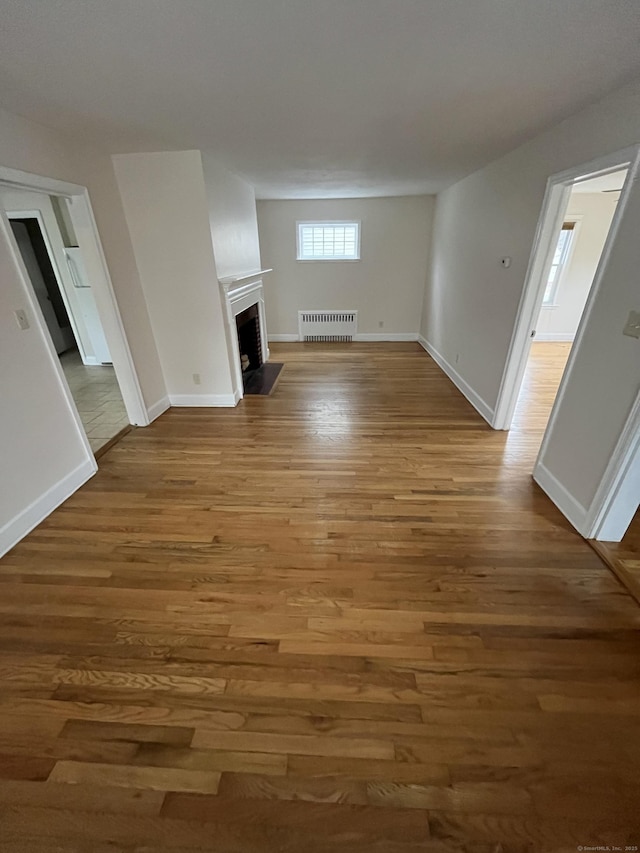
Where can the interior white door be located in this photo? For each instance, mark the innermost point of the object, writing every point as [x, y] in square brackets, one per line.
[88, 307]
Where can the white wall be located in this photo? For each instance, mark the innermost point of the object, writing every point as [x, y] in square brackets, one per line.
[44, 456]
[559, 322]
[386, 286]
[232, 218]
[471, 301]
[167, 213]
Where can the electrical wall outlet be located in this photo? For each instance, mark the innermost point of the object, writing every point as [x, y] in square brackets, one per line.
[196, 378]
[632, 326]
[380, 323]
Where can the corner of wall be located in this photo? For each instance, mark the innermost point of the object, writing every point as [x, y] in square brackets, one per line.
[575, 513]
[31, 516]
[480, 405]
[158, 408]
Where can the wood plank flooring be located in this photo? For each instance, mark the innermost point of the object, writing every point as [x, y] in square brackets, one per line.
[340, 618]
[624, 557]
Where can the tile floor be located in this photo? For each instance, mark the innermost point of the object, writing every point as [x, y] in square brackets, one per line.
[97, 396]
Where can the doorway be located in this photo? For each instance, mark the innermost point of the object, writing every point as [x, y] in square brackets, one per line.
[577, 245]
[80, 215]
[609, 511]
[55, 237]
[53, 260]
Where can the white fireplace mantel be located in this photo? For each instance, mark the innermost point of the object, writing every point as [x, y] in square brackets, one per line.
[240, 292]
[232, 280]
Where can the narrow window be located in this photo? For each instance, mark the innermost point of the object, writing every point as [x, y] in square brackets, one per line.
[560, 258]
[328, 241]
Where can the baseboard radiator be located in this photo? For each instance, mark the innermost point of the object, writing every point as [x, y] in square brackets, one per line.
[327, 325]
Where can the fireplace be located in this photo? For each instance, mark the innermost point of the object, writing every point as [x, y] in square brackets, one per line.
[243, 301]
[249, 341]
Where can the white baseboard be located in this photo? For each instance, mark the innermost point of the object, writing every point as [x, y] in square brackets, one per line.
[31, 516]
[283, 339]
[572, 510]
[204, 400]
[91, 360]
[553, 336]
[156, 409]
[386, 336]
[476, 400]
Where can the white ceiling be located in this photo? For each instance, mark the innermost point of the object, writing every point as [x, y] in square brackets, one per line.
[602, 184]
[313, 98]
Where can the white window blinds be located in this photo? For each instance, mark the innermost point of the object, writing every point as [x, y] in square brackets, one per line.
[328, 241]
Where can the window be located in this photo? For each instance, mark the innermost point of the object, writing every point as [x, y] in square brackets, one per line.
[328, 241]
[560, 257]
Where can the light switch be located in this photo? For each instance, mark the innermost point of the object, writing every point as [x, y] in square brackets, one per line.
[632, 326]
[21, 319]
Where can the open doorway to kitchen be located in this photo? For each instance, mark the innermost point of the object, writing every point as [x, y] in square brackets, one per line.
[46, 240]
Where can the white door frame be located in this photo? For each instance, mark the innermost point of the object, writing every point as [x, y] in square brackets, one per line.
[86, 230]
[554, 206]
[609, 508]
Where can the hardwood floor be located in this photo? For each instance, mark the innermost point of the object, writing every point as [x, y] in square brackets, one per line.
[624, 557]
[545, 367]
[339, 618]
